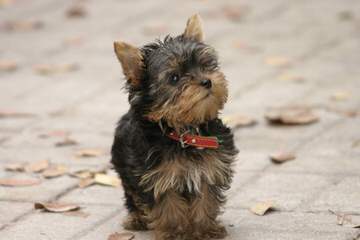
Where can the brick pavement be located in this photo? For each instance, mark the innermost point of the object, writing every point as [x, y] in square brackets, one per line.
[319, 37]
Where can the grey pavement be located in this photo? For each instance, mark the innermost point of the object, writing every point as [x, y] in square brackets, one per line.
[318, 39]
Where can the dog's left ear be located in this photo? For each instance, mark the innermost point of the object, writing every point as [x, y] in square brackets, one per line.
[131, 61]
[194, 29]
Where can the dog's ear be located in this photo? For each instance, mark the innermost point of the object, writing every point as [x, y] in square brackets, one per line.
[131, 61]
[194, 29]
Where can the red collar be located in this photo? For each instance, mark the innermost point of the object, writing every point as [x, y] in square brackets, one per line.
[198, 141]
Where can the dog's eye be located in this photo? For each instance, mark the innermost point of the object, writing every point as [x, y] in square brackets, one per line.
[174, 78]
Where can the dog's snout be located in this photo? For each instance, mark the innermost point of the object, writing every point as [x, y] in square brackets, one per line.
[206, 83]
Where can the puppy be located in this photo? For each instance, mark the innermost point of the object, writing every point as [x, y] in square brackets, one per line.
[172, 152]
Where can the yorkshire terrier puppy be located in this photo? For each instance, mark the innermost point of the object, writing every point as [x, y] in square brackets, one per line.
[172, 152]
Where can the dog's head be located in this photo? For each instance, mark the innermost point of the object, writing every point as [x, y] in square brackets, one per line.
[177, 80]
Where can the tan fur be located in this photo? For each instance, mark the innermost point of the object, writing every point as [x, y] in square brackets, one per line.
[194, 28]
[131, 61]
[195, 105]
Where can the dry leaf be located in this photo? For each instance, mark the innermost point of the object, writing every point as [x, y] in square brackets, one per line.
[8, 65]
[66, 142]
[55, 133]
[15, 167]
[18, 182]
[91, 152]
[281, 157]
[48, 69]
[237, 121]
[290, 77]
[37, 166]
[76, 11]
[86, 182]
[261, 208]
[341, 218]
[278, 61]
[291, 116]
[22, 25]
[55, 171]
[13, 114]
[107, 180]
[340, 96]
[83, 174]
[56, 207]
[121, 236]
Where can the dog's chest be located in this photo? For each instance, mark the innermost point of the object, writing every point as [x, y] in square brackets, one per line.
[187, 172]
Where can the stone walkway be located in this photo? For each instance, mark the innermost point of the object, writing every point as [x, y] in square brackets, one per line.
[274, 53]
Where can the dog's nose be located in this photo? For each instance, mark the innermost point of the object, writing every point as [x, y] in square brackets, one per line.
[206, 83]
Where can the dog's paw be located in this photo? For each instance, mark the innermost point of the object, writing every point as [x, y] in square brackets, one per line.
[135, 222]
[217, 232]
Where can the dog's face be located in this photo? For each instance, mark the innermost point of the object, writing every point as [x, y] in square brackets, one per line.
[179, 77]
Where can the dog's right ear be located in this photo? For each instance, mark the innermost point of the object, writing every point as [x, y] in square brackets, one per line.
[131, 61]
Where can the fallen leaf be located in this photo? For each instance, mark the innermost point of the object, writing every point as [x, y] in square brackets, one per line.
[278, 61]
[290, 77]
[83, 174]
[55, 171]
[76, 11]
[48, 69]
[107, 180]
[25, 25]
[341, 218]
[77, 214]
[66, 142]
[281, 157]
[13, 114]
[340, 96]
[8, 65]
[86, 182]
[291, 116]
[121, 236]
[55, 133]
[37, 166]
[15, 167]
[18, 182]
[237, 121]
[91, 152]
[261, 208]
[56, 207]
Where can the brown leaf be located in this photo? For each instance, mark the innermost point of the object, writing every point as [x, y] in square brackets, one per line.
[280, 157]
[55, 133]
[86, 182]
[8, 65]
[278, 61]
[90, 152]
[15, 167]
[66, 142]
[107, 180]
[37, 166]
[237, 121]
[55, 171]
[56, 207]
[25, 25]
[17, 182]
[121, 236]
[291, 116]
[261, 208]
[13, 114]
[48, 69]
[76, 11]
